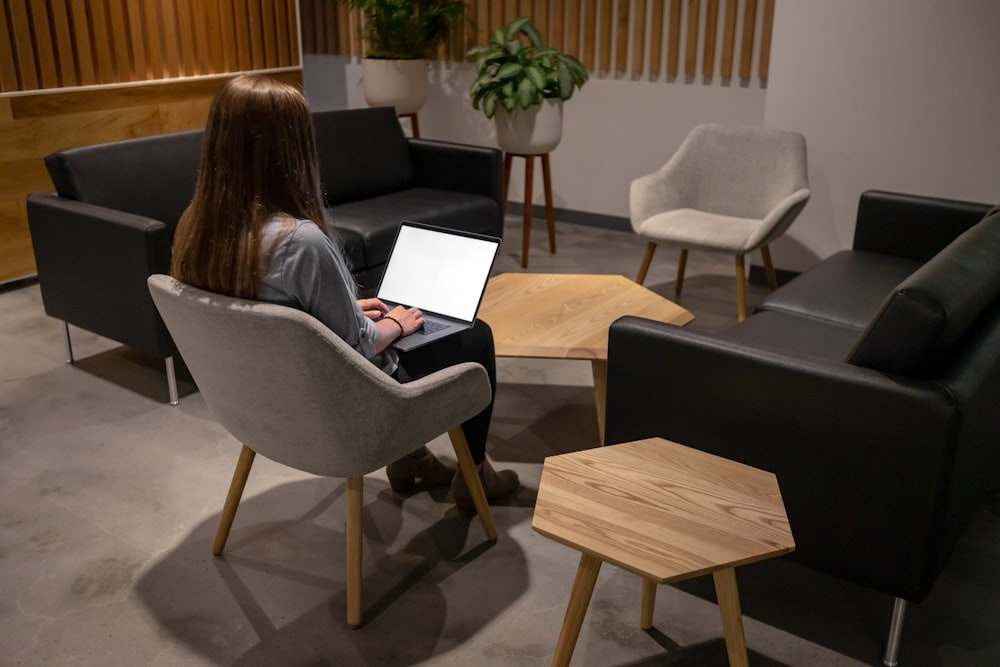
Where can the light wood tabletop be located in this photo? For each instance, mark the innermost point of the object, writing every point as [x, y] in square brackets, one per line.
[665, 512]
[567, 316]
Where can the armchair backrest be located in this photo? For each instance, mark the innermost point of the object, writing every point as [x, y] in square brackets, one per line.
[150, 176]
[289, 388]
[739, 170]
[362, 153]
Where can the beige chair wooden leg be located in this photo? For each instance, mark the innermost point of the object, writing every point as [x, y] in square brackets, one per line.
[355, 499]
[236, 487]
[468, 470]
[579, 600]
[599, 369]
[772, 278]
[646, 259]
[648, 603]
[732, 619]
[681, 266]
[741, 289]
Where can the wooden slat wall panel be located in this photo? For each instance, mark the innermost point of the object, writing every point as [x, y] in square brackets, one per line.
[606, 35]
[33, 125]
[48, 44]
[674, 38]
[656, 39]
[746, 47]
[691, 41]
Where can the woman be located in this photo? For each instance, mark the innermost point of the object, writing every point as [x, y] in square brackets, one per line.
[256, 229]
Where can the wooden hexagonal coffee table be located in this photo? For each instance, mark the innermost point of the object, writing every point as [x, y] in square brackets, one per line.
[665, 512]
[566, 316]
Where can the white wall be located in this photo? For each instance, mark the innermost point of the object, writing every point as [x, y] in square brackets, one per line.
[896, 95]
[890, 94]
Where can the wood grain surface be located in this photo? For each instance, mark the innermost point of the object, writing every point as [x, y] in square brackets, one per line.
[661, 510]
[566, 316]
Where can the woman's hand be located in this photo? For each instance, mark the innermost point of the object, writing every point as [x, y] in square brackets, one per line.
[373, 309]
[410, 319]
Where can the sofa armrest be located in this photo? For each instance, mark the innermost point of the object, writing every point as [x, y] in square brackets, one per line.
[92, 268]
[862, 458]
[911, 226]
[459, 167]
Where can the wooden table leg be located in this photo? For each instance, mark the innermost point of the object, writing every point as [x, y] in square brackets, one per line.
[732, 618]
[579, 600]
[599, 367]
[550, 214]
[529, 177]
[648, 603]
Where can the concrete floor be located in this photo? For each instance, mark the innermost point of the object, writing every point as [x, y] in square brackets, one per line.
[109, 498]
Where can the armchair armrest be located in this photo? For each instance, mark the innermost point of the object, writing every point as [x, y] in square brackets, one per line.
[92, 268]
[911, 226]
[459, 167]
[862, 458]
[449, 396]
[655, 193]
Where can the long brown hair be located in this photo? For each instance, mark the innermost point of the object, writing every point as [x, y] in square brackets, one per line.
[258, 159]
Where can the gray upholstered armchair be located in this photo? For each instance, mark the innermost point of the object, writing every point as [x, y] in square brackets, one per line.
[726, 189]
[286, 386]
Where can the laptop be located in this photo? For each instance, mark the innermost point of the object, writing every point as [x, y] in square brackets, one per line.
[443, 272]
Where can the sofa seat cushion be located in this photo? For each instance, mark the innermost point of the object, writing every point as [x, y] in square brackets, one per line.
[926, 316]
[847, 288]
[793, 335]
[369, 226]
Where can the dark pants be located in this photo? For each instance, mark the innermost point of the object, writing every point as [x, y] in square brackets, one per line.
[475, 344]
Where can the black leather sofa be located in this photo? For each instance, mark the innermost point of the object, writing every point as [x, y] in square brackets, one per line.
[109, 224]
[869, 385]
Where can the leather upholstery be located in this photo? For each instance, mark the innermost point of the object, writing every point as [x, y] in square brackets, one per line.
[110, 223]
[924, 319]
[879, 471]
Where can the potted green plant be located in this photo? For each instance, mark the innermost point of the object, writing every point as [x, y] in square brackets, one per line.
[521, 84]
[400, 34]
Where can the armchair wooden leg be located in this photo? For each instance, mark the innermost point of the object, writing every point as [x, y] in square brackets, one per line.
[355, 497]
[681, 266]
[741, 289]
[236, 487]
[646, 259]
[468, 470]
[648, 603]
[772, 278]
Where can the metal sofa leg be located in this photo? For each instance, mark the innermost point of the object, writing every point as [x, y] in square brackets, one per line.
[69, 345]
[895, 633]
[171, 381]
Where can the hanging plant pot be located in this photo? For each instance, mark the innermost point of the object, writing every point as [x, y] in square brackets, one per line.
[531, 131]
[395, 83]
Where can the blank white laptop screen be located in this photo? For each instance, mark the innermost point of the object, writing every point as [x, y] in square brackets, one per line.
[437, 271]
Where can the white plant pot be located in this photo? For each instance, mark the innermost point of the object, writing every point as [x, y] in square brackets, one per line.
[395, 83]
[530, 131]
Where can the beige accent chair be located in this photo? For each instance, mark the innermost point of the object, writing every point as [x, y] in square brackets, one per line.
[289, 388]
[726, 189]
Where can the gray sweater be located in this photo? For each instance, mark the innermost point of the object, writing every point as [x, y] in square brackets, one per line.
[307, 271]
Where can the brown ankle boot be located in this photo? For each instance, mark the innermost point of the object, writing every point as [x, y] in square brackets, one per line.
[496, 485]
[421, 464]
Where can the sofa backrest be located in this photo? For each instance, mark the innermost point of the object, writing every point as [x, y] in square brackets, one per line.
[362, 153]
[150, 176]
[925, 318]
